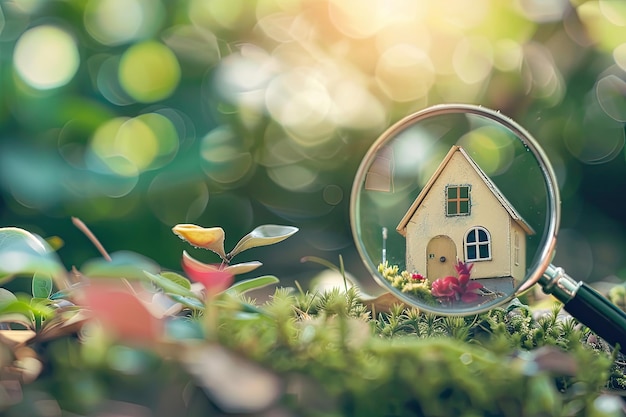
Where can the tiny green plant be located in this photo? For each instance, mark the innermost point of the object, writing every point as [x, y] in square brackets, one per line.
[116, 279]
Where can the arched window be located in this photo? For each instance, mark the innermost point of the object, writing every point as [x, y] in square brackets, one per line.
[477, 244]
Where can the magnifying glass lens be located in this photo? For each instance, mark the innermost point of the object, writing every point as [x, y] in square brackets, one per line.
[454, 209]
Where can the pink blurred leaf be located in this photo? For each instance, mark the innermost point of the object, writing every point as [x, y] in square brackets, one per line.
[121, 312]
[214, 279]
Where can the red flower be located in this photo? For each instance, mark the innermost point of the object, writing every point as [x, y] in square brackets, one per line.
[463, 271]
[214, 279]
[445, 288]
[417, 277]
[454, 289]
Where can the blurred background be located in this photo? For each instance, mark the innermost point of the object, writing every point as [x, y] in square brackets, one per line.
[136, 115]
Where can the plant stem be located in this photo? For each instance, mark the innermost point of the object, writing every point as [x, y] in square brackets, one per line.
[94, 240]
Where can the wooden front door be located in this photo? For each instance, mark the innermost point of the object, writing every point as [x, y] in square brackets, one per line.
[440, 257]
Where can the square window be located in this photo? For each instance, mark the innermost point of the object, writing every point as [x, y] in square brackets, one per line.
[457, 200]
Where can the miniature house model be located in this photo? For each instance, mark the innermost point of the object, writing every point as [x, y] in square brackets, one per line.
[461, 214]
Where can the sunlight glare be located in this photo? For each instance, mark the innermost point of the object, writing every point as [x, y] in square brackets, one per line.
[405, 73]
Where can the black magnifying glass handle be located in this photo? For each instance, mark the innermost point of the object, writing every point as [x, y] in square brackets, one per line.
[587, 306]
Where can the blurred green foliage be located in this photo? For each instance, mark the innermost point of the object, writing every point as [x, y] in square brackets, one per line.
[135, 115]
[322, 354]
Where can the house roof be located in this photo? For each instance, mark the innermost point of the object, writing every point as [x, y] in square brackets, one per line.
[481, 174]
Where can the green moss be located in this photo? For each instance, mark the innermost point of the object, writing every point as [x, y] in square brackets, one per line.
[332, 358]
[502, 363]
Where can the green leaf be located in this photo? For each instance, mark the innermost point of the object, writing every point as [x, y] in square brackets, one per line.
[16, 307]
[41, 285]
[264, 235]
[41, 310]
[123, 264]
[242, 268]
[6, 297]
[253, 284]
[190, 302]
[321, 261]
[21, 252]
[177, 278]
[169, 286]
[37, 302]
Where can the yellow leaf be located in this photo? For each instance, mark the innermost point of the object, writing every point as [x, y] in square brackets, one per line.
[211, 238]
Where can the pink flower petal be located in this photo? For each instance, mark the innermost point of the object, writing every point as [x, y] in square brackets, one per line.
[469, 297]
[473, 285]
[464, 278]
[442, 287]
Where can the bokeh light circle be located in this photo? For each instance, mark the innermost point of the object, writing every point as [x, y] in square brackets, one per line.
[610, 92]
[224, 160]
[149, 72]
[293, 177]
[46, 57]
[595, 138]
[300, 102]
[332, 194]
[114, 22]
[619, 55]
[405, 73]
[129, 146]
[173, 198]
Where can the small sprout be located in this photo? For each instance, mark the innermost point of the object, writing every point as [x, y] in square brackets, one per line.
[217, 278]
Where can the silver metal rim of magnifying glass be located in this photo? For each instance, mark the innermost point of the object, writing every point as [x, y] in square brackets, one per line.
[554, 210]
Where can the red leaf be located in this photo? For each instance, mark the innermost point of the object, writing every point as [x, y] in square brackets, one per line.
[121, 312]
[473, 286]
[469, 297]
[214, 279]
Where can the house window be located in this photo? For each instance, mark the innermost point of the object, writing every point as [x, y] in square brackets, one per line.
[516, 248]
[477, 244]
[457, 200]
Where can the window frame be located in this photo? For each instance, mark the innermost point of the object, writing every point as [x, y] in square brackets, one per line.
[458, 199]
[516, 247]
[477, 244]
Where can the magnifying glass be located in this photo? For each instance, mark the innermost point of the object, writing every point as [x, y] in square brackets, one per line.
[455, 210]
